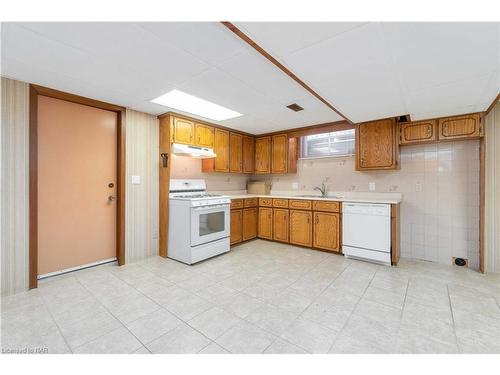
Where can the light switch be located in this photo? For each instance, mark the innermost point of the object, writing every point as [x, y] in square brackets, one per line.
[136, 180]
[371, 186]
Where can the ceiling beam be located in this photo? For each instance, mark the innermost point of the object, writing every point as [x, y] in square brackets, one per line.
[280, 66]
[327, 127]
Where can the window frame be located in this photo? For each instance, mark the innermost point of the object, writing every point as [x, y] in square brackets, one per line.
[302, 148]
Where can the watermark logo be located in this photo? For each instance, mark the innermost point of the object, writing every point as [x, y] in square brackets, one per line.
[26, 350]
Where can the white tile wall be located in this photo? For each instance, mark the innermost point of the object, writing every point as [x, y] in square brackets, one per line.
[440, 186]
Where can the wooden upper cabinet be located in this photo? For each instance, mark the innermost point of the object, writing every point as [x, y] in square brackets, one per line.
[301, 228]
[377, 145]
[236, 226]
[457, 127]
[280, 224]
[265, 223]
[221, 148]
[418, 132]
[235, 153]
[248, 154]
[204, 135]
[279, 153]
[182, 131]
[249, 223]
[326, 231]
[263, 155]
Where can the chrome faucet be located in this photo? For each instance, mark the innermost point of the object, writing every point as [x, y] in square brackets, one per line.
[322, 189]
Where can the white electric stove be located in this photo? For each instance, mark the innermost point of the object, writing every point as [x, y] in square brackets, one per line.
[198, 222]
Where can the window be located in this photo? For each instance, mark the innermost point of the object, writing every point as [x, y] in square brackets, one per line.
[339, 143]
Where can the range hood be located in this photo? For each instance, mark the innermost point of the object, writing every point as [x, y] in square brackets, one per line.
[193, 151]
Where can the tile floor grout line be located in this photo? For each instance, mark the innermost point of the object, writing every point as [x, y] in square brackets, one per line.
[453, 319]
[57, 325]
[301, 313]
[106, 308]
[178, 317]
[402, 312]
[352, 312]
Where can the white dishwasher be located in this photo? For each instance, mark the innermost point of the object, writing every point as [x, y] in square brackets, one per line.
[366, 231]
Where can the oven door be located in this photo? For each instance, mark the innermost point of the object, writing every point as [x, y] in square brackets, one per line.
[209, 223]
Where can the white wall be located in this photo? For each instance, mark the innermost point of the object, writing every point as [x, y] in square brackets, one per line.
[492, 191]
[14, 193]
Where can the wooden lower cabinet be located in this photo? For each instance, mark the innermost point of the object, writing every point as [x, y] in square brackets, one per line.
[301, 228]
[265, 223]
[326, 231]
[249, 223]
[236, 226]
[280, 224]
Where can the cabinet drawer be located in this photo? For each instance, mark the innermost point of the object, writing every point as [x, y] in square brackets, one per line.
[326, 206]
[266, 202]
[278, 202]
[236, 203]
[251, 202]
[300, 204]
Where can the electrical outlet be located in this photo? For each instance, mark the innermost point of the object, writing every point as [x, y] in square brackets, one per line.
[418, 186]
[295, 186]
[136, 180]
[371, 186]
[155, 235]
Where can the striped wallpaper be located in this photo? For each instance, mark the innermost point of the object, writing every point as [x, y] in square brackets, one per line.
[492, 191]
[14, 193]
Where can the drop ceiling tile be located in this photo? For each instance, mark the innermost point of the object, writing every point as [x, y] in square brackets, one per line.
[251, 124]
[33, 74]
[347, 53]
[443, 112]
[283, 38]
[491, 91]
[210, 41]
[125, 44]
[429, 54]
[444, 97]
[220, 88]
[21, 44]
[257, 72]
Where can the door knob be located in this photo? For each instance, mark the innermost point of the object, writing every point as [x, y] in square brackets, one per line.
[111, 198]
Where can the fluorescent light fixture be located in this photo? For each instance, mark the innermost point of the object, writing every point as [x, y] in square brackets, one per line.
[188, 103]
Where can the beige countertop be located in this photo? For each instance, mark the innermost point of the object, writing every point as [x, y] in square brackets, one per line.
[356, 197]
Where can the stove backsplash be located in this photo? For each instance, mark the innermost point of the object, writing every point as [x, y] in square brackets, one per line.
[187, 167]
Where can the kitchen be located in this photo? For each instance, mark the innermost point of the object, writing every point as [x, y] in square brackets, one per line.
[247, 202]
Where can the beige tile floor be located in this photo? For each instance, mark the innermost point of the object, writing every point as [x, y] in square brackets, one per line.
[262, 297]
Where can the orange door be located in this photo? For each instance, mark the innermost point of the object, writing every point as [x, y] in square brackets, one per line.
[77, 152]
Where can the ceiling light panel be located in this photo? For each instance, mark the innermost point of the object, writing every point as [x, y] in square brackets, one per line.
[188, 103]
